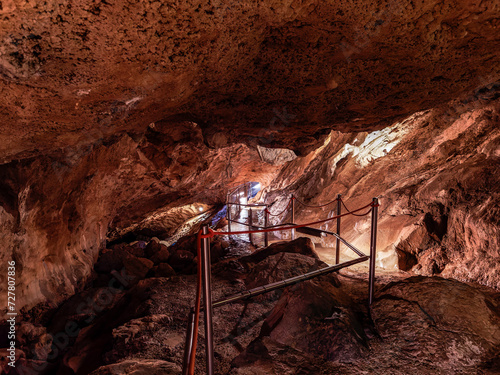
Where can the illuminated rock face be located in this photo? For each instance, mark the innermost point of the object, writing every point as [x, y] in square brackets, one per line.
[119, 116]
[436, 175]
[57, 212]
[437, 178]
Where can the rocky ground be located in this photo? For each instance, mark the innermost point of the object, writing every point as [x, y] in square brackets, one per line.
[131, 319]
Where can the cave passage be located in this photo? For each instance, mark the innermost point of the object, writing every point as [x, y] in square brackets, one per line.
[125, 124]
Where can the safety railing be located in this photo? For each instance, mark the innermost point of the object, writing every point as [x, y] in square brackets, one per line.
[258, 216]
[240, 213]
[204, 272]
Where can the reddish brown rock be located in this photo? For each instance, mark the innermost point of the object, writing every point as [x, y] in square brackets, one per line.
[181, 260]
[436, 177]
[266, 356]
[152, 248]
[108, 179]
[301, 245]
[280, 267]
[162, 256]
[163, 270]
[185, 243]
[316, 318]
[423, 325]
[139, 366]
[137, 267]
[432, 319]
[138, 249]
[104, 130]
[85, 72]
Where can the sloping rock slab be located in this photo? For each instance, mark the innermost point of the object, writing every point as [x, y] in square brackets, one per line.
[451, 324]
[266, 356]
[282, 266]
[139, 366]
[316, 317]
[301, 245]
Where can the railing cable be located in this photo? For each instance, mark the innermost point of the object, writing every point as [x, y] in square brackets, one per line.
[313, 206]
[280, 213]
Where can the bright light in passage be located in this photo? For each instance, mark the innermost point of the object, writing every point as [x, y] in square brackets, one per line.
[376, 144]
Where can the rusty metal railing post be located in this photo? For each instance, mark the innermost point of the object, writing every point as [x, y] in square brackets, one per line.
[238, 208]
[250, 225]
[228, 214]
[189, 343]
[293, 216]
[337, 247]
[207, 301]
[373, 251]
[266, 223]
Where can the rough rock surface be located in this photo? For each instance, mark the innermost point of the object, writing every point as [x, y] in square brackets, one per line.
[436, 175]
[317, 318]
[139, 367]
[270, 71]
[321, 326]
[128, 117]
[302, 246]
[447, 323]
[57, 212]
[421, 325]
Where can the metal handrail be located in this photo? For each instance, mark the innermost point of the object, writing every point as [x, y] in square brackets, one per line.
[248, 205]
[287, 282]
[206, 280]
[350, 246]
[258, 226]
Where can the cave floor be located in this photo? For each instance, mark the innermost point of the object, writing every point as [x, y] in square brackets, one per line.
[417, 325]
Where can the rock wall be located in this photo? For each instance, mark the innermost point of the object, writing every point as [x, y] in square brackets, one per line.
[437, 178]
[57, 211]
[99, 99]
[436, 175]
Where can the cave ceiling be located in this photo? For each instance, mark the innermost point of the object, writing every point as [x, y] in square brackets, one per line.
[274, 73]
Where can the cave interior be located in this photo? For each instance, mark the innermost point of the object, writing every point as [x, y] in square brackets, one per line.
[127, 127]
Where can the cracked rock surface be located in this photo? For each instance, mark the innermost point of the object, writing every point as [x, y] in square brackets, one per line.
[273, 72]
[436, 175]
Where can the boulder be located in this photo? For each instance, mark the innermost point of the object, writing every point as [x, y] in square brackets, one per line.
[445, 322]
[137, 248]
[161, 256]
[301, 245]
[137, 267]
[316, 317]
[181, 260]
[152, 248]
[282, 266]
[185, 243]
[163, 270]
